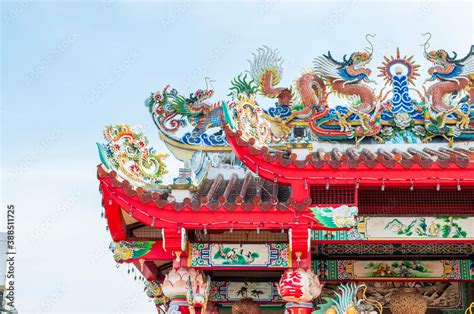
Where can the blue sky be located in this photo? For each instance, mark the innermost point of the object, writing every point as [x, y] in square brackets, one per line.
[71, 67]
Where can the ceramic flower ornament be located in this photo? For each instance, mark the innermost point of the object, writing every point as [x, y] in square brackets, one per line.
[174, 285]
[187, 284]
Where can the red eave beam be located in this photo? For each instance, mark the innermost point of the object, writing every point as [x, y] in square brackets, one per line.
[115, 222]
[168, 217]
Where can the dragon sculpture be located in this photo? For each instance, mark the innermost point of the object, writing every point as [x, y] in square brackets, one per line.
[171, 111]
[124, 250]
[127, 152]
[198, 289]
[346, 301]
[344, 79]
[453, 90]
[335, 101]
[266, 70]
[153, 290]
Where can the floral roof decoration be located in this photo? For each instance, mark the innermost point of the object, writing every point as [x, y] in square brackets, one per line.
[128, 153]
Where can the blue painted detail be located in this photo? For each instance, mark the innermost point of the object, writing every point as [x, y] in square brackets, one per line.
[443, 76]
[348, 77]
[204, 139]
[343, 110]
[279, 111]
[401, 100]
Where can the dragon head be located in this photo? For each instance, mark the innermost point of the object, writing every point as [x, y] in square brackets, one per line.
[443, 63]
[360, 59]
[351, 69]
[356, 66]
[199, 96]
[196, 103]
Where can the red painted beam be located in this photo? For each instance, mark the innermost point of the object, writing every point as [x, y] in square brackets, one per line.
[117, 226]
[204, 218]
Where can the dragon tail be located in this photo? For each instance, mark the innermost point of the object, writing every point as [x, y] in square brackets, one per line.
[266, 69]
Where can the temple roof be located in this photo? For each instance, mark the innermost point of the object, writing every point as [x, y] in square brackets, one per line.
[237, 190]
[247, 192]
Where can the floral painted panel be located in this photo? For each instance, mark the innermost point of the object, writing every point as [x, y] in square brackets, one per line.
[413, 228]
[275, 255]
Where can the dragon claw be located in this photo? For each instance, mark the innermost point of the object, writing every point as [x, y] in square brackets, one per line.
[450, 140]
[464, 122]
[345, 126]
[428, 138]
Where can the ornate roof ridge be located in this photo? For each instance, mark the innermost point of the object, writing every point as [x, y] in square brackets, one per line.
[426, 158]
[335, 101]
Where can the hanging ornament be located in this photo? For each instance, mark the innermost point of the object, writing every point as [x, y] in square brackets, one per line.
[299, 285]
[408, 301]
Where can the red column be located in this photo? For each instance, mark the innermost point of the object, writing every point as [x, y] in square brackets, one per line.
[299, 190]
[300, 247]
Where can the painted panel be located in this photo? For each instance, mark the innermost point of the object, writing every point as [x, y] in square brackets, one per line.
[223, 291]
[404, 228]
[442, 295]
[276, 255]
[394, 270]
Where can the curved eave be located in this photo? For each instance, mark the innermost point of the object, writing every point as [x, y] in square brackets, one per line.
[150, 209]
[181, 150]
[426, 168]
